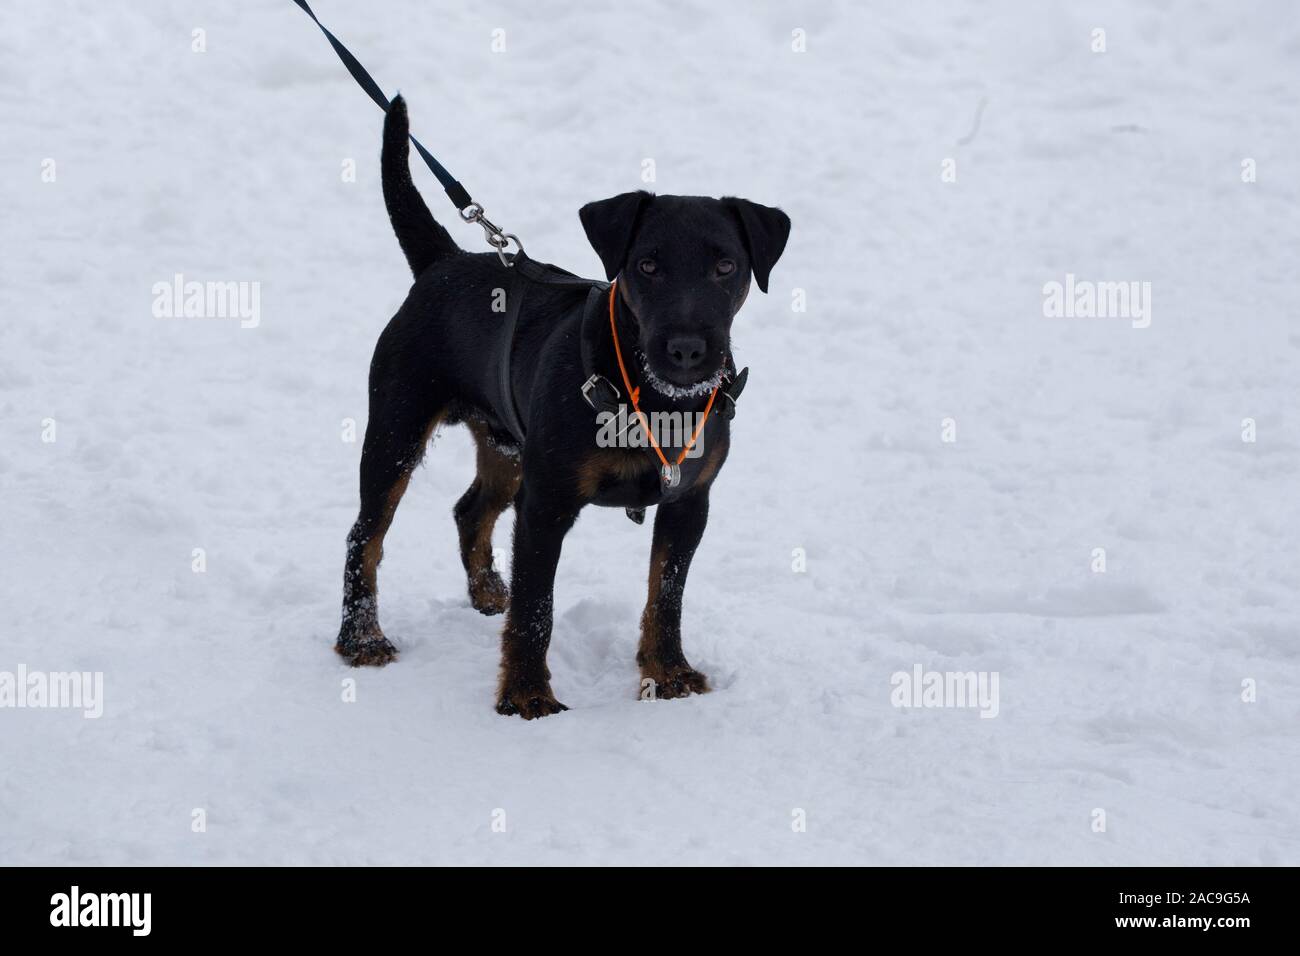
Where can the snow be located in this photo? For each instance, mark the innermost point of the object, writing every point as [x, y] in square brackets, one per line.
[1120, 691]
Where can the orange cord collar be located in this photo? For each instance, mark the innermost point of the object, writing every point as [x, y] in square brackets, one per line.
[635, 395]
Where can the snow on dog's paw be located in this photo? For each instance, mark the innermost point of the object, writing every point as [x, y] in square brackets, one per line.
[680, 680]
[528, 704]
[488, 593]
[371, 649]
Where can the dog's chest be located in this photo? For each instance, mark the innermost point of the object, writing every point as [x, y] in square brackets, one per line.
[631, 478]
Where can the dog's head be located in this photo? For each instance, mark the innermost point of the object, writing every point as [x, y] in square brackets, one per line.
[683, 265]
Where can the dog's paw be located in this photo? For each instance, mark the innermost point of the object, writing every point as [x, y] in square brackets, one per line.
[367, 649]
[488, 593]
[674, 680]
[528, 703]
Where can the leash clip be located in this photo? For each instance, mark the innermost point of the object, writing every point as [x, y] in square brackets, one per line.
[497, 239]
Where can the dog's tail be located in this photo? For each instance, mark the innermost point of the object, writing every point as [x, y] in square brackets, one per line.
[423, 241]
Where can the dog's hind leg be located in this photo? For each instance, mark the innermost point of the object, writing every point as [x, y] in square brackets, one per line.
[396, 436]
[476, 514]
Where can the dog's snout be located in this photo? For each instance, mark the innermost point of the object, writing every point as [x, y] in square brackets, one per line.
[686, 351]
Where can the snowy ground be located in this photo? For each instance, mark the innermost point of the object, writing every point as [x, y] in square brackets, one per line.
[1119, 691]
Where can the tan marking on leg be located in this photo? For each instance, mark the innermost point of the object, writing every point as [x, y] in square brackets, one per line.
[373, 552]
[648, 649]
[495, 486]
[672, 677]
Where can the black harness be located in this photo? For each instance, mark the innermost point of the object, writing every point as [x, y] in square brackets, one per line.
[598, 392]
[526, 272]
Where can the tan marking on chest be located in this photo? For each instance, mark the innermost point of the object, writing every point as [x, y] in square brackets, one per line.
[612, 466]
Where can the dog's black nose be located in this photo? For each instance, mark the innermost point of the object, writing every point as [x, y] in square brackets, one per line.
[686, 351]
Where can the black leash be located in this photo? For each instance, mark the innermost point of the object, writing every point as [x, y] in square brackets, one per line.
[469, 210]
[457, 193]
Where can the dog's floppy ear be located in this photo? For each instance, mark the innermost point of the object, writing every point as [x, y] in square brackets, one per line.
[609, 224]
[765, 230]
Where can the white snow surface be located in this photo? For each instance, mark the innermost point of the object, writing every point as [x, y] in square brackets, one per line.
[1120, 691]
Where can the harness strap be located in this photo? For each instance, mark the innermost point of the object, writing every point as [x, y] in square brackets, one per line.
[457, 193]
[598, 391]
[547, 274]
[531, 272]
[510, 411]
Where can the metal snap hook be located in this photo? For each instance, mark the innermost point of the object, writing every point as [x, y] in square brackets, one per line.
[496, 238]
[506, 239]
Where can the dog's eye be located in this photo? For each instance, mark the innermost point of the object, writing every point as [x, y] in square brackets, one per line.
[725, 267]
[648, 267]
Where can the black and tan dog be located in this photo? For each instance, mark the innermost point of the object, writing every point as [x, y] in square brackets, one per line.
[682, 267]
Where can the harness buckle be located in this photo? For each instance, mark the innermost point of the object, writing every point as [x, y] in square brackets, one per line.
[726, 410]
[732, 392]
[591, 384]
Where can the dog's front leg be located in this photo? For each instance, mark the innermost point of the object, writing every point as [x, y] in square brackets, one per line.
[679, 525]
[542, 518]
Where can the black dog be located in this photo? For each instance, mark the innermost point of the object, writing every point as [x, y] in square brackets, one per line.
[682, 267]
